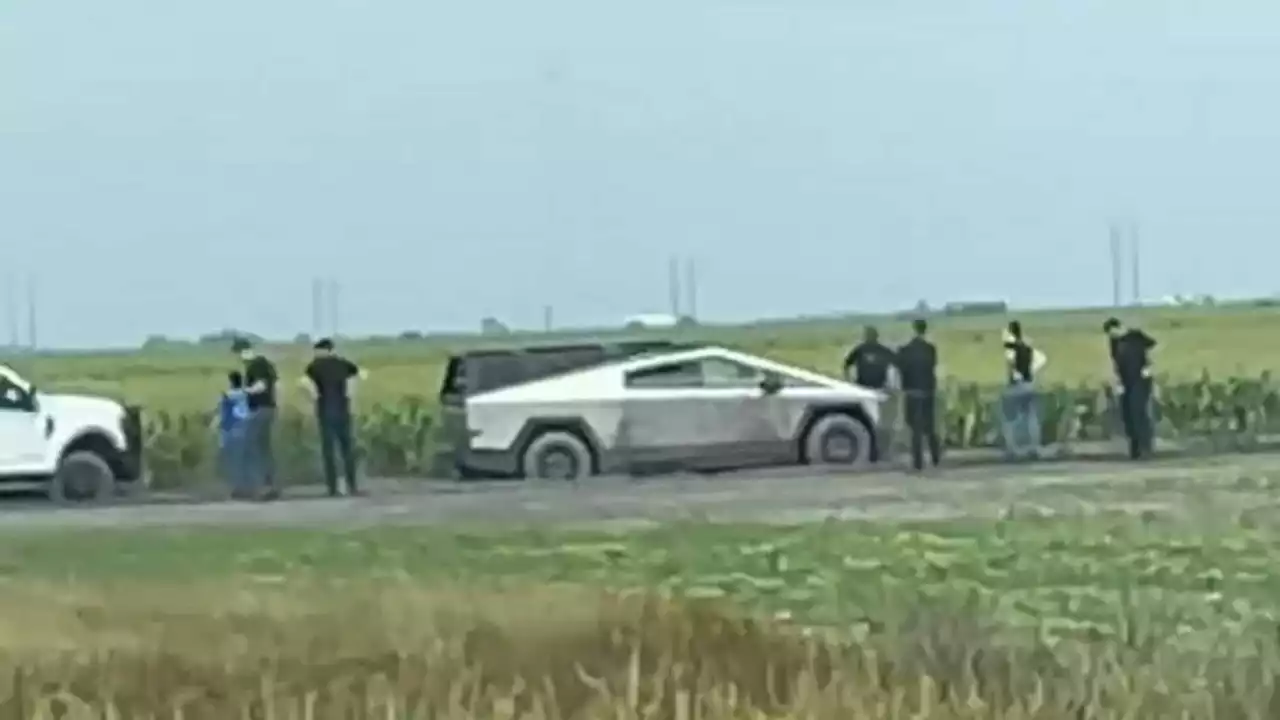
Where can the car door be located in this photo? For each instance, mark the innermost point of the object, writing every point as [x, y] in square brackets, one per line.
[744, 424]
[705, 414]
[21, 435]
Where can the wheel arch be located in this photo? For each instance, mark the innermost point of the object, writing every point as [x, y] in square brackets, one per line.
[98, 442]
[814, 413]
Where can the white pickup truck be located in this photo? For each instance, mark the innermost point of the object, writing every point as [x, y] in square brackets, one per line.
[76, 448]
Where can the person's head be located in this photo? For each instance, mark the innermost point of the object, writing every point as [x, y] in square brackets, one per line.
[1113, 327]
[323, 346]
[920, 326]
[243, 348]
[870, 334]
[1014, 329]
[235, 380]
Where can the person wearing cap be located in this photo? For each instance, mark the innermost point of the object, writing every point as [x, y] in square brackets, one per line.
[260, 385]
[328, 378]
[1019, 405]
[1131, 360]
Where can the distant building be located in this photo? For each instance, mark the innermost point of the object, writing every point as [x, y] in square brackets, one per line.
[652, 321]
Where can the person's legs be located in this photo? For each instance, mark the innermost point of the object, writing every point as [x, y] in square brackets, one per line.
[268, 451]
[912, 406]
[251, 453]
[1128, 421]
[236, 450]
[888, 420]
[929, 412]
[1034, 436]
[345, 447]
[1022, 420]
[327, 435]
[1140, 411]
[1009, 422]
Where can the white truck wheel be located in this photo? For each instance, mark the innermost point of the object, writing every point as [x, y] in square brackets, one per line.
[82, 476]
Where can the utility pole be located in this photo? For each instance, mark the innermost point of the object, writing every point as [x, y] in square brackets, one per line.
[32, 317]
[12, 310]
[317, 303]
[333, 307]
[673, 285]
[691, 288]
[1116, 261]
[546, 318]
[1135, 263]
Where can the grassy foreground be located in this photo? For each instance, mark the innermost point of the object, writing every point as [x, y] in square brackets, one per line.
[1106, 616]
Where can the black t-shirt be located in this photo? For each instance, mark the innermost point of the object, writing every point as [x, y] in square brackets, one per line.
[1020, 369]
[260, 368]
[918, 365]
[1131, 354]
[870, 362]
[330, 375]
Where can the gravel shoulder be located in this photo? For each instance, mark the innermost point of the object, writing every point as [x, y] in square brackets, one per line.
[778, 496]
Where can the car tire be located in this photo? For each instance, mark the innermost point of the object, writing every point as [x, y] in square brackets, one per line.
[556, 455]
[82, 476]
[839, 440]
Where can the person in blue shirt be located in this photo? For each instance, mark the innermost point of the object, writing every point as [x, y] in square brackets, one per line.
[233, 416]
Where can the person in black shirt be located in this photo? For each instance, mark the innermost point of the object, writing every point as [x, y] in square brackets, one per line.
[871, 364]
[870, 361]
[1131, 359]
[918, 369]
[260, 385]
[328, 377]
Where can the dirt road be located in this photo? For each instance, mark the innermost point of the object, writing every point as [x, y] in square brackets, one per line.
[776, 496]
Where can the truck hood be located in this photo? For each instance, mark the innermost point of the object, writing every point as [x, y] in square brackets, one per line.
[57, 403]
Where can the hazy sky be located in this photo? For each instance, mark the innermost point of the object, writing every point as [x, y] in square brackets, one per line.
[175, 167]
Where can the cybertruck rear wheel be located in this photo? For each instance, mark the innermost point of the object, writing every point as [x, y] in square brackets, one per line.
[556, 455]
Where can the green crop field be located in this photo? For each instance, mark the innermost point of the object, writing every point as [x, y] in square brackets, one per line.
[1215, 365]
[1138, 615]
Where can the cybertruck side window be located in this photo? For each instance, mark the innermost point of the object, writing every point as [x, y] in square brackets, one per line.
[722, 373]
[672, 375]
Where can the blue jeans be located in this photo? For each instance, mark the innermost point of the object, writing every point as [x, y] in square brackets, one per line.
[233, 461]
[260, 460]
[1020, 420]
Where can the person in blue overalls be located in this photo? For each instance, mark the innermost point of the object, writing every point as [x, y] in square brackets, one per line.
[233, 414]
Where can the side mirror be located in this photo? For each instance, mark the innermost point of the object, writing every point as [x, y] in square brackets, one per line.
[771, 384]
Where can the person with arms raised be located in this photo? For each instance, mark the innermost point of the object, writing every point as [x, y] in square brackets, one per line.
[1131, 359]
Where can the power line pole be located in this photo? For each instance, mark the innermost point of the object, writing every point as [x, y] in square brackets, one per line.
[1136, 263]
[691, 287]
[673, 285]
[334, 289]
[317, 312]
[32, 317]
[12, 310]
[1116, 260]
[547, 318]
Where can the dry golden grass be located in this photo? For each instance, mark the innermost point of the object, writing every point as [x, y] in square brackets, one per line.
[396, 650]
